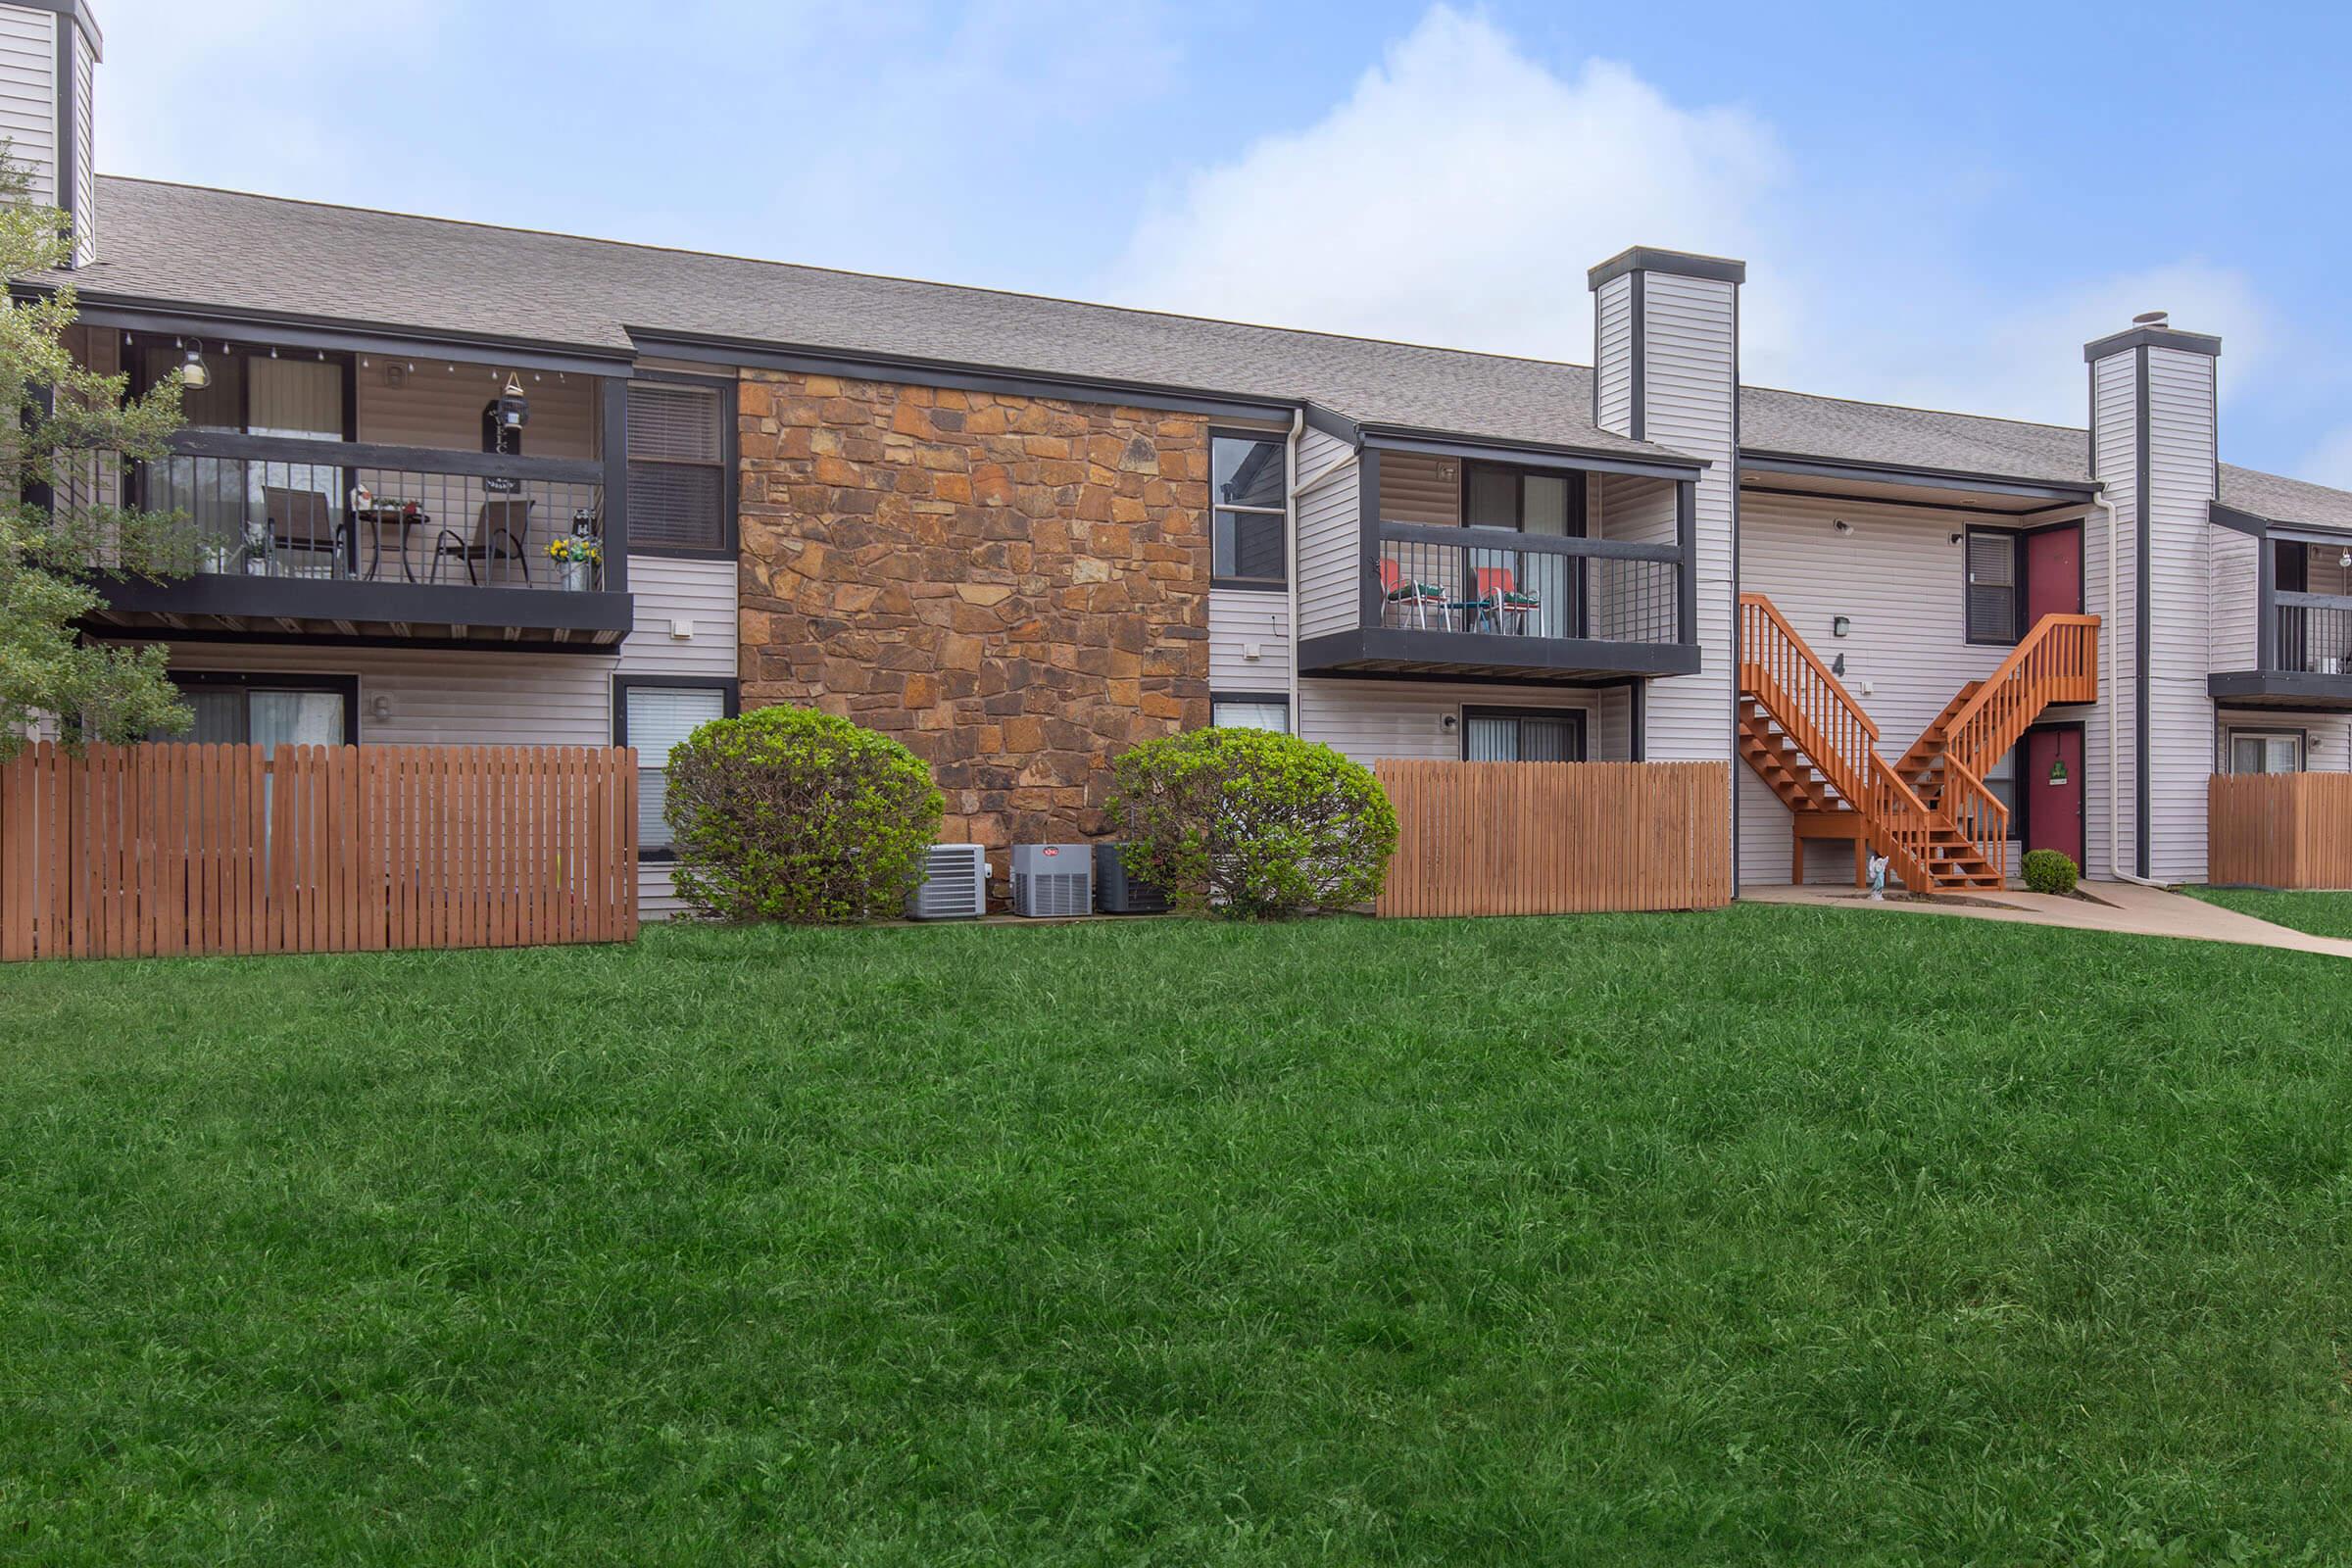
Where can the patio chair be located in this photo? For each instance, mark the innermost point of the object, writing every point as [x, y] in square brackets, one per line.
[1499, 598]
[300, 523]
[501, 529]
[1415, 596]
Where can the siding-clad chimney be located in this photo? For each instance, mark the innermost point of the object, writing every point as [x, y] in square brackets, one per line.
[2153, 396]
[49, 52]
[1666, 368]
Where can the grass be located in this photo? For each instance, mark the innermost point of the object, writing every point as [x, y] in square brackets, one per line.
[2322, 914]
[1777, 1236]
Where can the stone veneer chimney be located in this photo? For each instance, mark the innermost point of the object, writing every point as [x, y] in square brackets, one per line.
[2153, 397]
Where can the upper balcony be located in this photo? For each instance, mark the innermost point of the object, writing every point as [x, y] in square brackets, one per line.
[1453, 566]
[363, 497]
[2303, 629]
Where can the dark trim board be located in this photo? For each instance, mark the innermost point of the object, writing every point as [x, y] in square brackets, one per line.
[809, 360]
[1640, 259]
[1597, 681]
[373, 455]
[1903, 502]
[2282, 688]
[273, 638]
[2228, 517]
[79, 11]
[2140, 612]
[305, 599]
[1662, 466]
[2140, 339]
[1319, 418]
[1483, 656]
[347, 337]
[1812, 468]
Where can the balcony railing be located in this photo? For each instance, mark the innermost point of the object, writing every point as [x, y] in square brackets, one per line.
[2312, 634]
[1495, 582]
[284, 506]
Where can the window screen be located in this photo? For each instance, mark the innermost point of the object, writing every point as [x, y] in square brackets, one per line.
[677, 466]
[658, 717]
[1248, 712]
[1992, 587]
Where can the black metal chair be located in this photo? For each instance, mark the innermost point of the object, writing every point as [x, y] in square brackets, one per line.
[501, 530]
[300, 523]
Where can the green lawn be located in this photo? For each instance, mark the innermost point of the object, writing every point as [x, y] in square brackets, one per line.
[1785, 1236]
[2322, 914]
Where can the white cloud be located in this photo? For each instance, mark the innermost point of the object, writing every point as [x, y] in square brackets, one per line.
[1460, 190]
[1456, 197]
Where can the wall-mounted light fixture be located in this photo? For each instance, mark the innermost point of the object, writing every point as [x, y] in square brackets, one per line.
[381, 708]
[1956, 538]
[1839, 625]
[1843, 526]
[1448, 724]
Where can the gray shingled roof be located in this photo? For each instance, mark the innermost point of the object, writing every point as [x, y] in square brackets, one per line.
[188, 246]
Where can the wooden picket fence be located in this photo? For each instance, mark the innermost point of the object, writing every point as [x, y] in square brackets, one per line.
[173, 848]
[2280, 830]
[1557, 837]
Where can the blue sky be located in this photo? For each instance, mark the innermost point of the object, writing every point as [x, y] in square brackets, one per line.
[1938, 205]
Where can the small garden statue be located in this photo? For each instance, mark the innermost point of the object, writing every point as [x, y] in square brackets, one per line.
[1874, 869]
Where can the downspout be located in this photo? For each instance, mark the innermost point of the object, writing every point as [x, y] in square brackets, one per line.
[1289, 574]
[2115, 838]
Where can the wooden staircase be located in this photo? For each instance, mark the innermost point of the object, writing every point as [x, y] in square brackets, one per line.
[1806, 737]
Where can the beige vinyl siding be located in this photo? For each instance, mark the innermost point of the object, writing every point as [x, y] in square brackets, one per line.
[2180, 457]
[1613, 357]
[2327, 737]
[1689, 375]
[668, 589]
[84, 173]
[1239, 619]
[1612, 725]
[1417, 488]
[1899, 579]
[445, 697]
[2236, 607]
[440, 405]
[2113, 399]
[1375, 718]
[1329, 563]
[28, 94]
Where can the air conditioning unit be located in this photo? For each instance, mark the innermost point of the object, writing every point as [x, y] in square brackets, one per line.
[954, 884]
[1122, 893]
[1052, 879]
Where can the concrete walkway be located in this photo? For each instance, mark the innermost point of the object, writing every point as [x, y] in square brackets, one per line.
[2125, 907]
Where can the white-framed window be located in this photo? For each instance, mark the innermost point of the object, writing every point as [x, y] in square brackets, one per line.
[654, 714]
[678, 467]
[2265, 750]
[1246, 487]
[1249, 710]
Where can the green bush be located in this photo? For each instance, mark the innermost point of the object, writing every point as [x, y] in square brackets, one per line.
[2049, 871]
[790, 814]
[1247, 823]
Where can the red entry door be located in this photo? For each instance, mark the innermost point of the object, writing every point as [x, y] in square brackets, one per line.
[2049, 786]
[2053, 573]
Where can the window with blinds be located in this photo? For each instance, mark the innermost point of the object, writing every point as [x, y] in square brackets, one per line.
[677, 466]
[656, 719]
[1492, 736]
[1992, 579]
[1250, 713]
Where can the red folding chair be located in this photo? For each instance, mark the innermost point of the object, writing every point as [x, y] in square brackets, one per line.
[1499, 596]
[1418, 596]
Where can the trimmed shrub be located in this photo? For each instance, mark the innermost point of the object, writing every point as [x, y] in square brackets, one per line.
[2049, 871]
[790, 814]
[1249, 823]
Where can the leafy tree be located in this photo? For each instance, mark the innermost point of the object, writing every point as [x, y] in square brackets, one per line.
[73, 431]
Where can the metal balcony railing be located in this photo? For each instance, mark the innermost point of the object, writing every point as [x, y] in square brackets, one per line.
[282, 507]
[1508, 584]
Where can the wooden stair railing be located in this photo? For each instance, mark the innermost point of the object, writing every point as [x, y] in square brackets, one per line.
[1831, 732]
[2057, 661]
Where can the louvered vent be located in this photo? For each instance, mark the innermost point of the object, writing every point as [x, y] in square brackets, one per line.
[1122, 893]
[1052, 879]
[954, 885]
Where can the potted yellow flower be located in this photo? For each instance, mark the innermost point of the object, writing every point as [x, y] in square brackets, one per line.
[579, 558]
